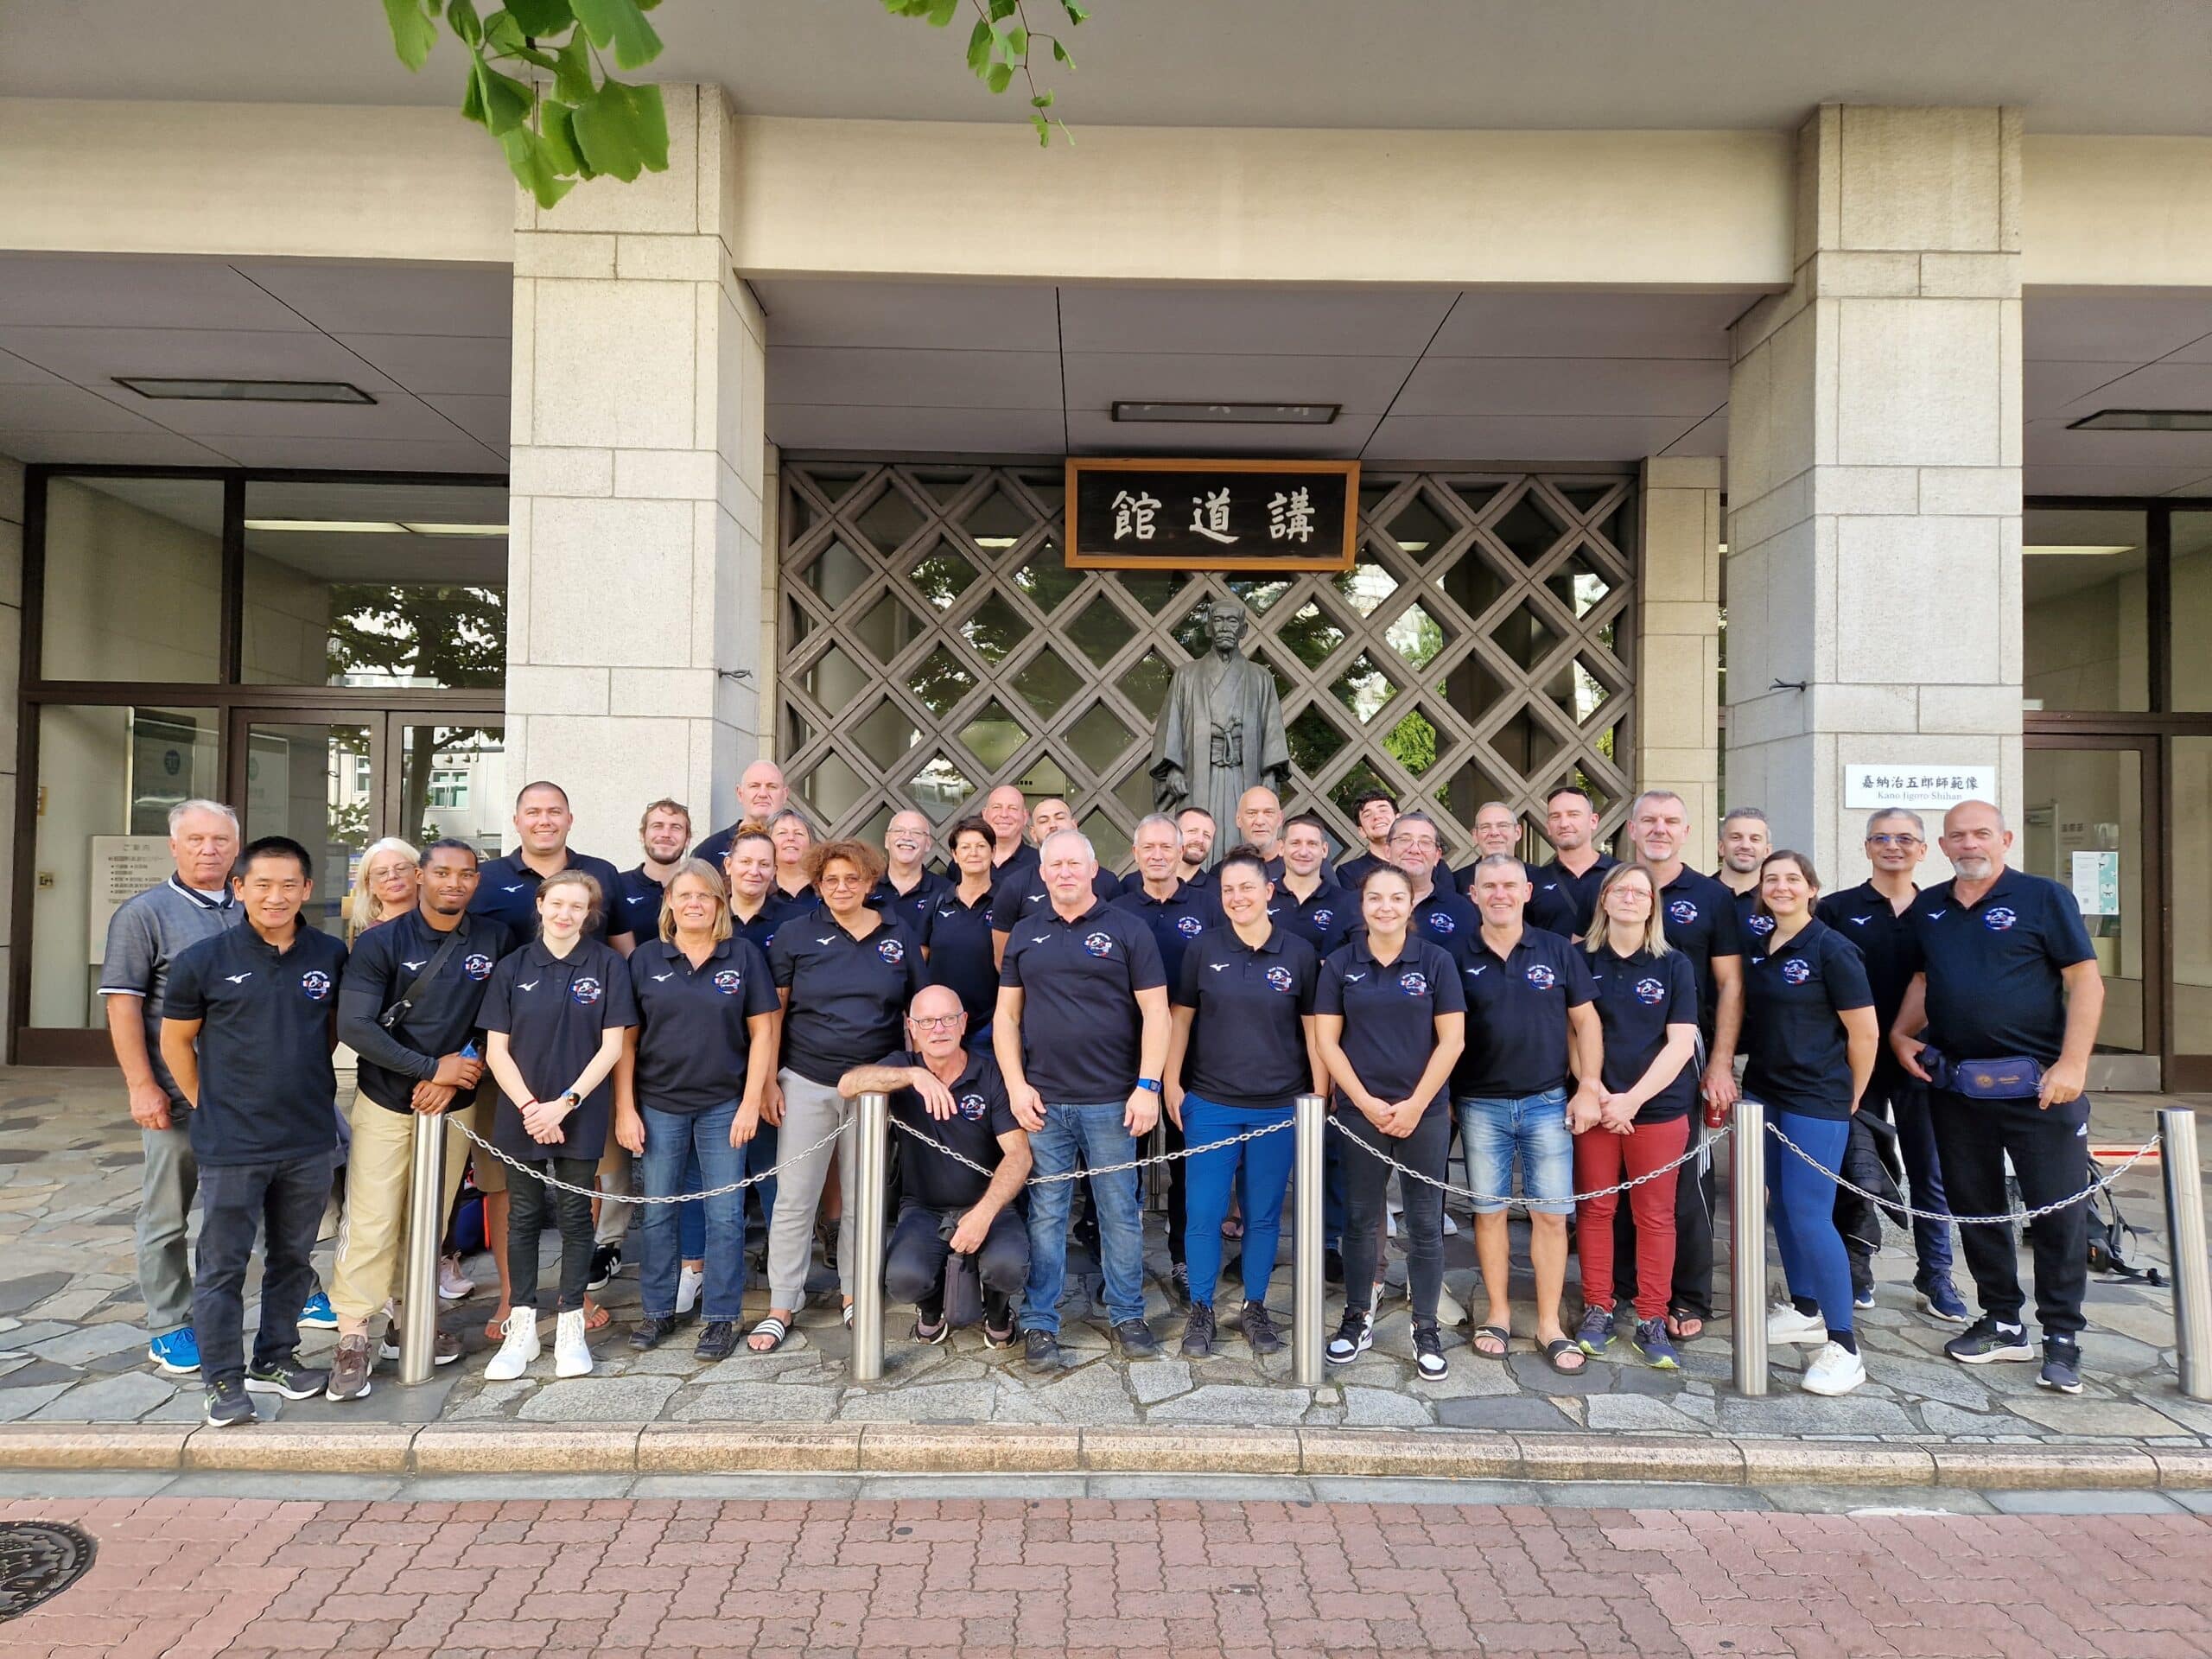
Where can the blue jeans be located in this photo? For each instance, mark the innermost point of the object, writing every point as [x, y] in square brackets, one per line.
[1264, 1167]
[1534, 1126]
[692, 1218]
[1096, 1132]
[1801, 1201]
[672, 1141]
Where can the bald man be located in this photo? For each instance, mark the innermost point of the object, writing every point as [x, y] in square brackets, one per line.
[1259, 825]
[761, 794]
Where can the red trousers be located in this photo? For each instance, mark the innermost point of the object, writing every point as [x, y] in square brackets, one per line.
[1604, 1159]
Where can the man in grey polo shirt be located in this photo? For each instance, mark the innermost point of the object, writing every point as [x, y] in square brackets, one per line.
[147, 933]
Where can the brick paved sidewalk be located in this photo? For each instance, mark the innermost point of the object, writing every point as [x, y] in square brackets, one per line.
[1109, 1580]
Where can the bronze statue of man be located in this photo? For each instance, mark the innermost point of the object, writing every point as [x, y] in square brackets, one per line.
[1222, 732]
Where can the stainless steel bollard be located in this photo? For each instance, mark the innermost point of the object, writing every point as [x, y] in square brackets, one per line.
[1311, 1127]
[864, 1210]
[2185, 1240]
[426, 1226]
[1747, 1248]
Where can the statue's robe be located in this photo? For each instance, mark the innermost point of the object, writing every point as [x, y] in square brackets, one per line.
[1223, 727]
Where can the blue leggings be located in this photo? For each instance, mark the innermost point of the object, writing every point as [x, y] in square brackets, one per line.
[1801, 1201]
[1266, 1162]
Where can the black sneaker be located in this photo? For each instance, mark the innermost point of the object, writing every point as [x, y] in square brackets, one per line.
[227, 1405]
[1197, 1334]
[1428, 1350]
[1040, 1351]
[648, 1332]
[931, 1334]
[1332, 1266]
[288, 1377]
[1136, 1340]
[1986, 1340]
[2062, 1365]
[1354, 1337]
[1260, 1329]
[717, 1339]
[606, 1262]
[1178, 1285]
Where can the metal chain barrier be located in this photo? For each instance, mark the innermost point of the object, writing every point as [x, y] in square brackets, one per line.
[1102, 1169]
[1713, 1138]
[2010, 1218]
[559, 1185]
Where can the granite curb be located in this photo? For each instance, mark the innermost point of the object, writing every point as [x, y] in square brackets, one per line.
[888, 1448]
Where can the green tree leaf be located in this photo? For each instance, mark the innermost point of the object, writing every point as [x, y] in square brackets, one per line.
[622, 130]
[502, 102]
[1044, 131]
[1000, 77]
[572, 76]
[622, 24]
[534, 164]
[413, 33]
[559, 132]
[942, 12]
[462, 15]
[1016, 41]
[1060, 54]
[503, 37]
[979, 47]
[541, 18]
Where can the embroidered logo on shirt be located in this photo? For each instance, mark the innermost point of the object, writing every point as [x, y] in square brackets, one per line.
[1354, 979]
[728, 982]
[1438, 924]
[1795, 971]
[1323, 918]
[1937, 915]
[661, 979]
[1759, 925]
[1414, 984]
[315, 984]
[1189, 926]
[585, 992]
[1541, 977]
[1218, 967]
[516, 887]
[892, 950]
[1859, 921]
[476, 965]
[239, 979]
[411, 966]
[972, 1107]
[1682, 911]
[1099, 944]
[1999, 920]
[1280, 979]
[526, 985]
[1650, 992]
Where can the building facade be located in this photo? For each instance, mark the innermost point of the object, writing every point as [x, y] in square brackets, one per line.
[1726, 437]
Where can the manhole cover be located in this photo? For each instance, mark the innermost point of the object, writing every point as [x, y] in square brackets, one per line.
[38, 1560]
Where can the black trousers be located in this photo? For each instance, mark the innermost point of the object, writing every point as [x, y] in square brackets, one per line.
[528, 1202]
[1367, 1180]
[284, 1203]
[1694, 1186]
[921, 1243]
[2050, 1152]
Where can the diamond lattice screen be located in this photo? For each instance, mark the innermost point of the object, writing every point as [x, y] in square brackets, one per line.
[935, 644]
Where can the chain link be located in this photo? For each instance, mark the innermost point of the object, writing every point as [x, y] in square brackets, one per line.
[1102, 1169]
[2010, 1218]
[1515, 1202]
[559, 1185]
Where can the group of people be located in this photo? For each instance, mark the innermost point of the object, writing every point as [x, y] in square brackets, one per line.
[710, 1014]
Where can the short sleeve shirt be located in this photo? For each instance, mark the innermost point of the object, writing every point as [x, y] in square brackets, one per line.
[1323, 918]
[1884, 934]
[267, 1089]
[1080, 1025]
[507, 889]
[774, 911]
[1176, 921]
[1995, 967]
[1699, 917]
[1638, 997]
[637, 905]
[1016, 897]
[145, 936]
[848, 996]
[1389, 1011]
[1247, 1035]
[930, 1179]
[554, 1011]
[1516, 1015]
[912, 904]
[443, 1014]
[1798, 1057]
[1753, 926]
[693, 1041]
[1444, 918]
[1564, 902]
[957, 936]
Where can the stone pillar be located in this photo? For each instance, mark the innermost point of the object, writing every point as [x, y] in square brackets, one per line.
[635, 567]
[1678, 626]
[1874, 476]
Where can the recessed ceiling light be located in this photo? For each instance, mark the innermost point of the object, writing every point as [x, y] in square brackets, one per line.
[2079, 552]
[2144, 420]
[1252, 414]
[244, 392]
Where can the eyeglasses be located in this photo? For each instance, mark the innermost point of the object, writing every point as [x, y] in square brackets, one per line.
[829, 881]
[935, 1021]
[1895, 841]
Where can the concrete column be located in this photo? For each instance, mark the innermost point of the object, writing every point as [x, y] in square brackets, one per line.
[635, 567]
[12, 673]
[1874, 474]
[1678, 624]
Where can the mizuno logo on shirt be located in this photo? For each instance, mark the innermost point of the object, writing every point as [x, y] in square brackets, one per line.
[239, 979]
[1039, 938]
[516, 888]
[527, 985]
[1353, 979]
[832, 939]
[1217, 966]
[1937, 915]
[411, 966]
[659, 977]
[1859, 921]
[1476, 973]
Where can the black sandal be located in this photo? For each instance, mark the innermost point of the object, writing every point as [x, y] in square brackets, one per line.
[1503, 1337]
[1563, 1348]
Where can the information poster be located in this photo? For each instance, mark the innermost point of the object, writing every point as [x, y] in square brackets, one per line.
[122, 868]
[2096, 882]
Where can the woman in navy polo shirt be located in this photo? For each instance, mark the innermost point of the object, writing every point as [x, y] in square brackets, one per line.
[794, 840]
[1240, 1050]
[555, 1014]
[756, 907]
[1810, 1033]
[1391, 1019]
[956, 929]
[1646, 1009]
[691, 1099]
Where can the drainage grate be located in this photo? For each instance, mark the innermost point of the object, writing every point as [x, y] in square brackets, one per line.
[38, 1560]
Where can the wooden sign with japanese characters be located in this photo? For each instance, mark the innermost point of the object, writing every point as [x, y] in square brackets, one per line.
[1212, 515]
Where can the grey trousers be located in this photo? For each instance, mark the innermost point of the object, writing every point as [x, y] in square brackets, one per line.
[172, 1179]
[810, 1110]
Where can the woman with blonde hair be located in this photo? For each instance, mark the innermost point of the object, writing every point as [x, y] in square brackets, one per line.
[384, 884]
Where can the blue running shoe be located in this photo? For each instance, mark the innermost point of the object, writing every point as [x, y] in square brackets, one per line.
[317, 1315]
[178, 1353]
[1939, 1300]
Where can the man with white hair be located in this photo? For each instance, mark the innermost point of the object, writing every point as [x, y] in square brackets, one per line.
[761, 794]
[146, 935]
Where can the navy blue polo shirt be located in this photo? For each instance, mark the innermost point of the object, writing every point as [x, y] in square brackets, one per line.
[1080, 1026]
[1389, 1012]
[692, 1038]
[1351, 871]
[848, 997]
[715, 847]
[637, 908]
[267, 1090]
[1994, 966]
[507, 889]
[1516, 1015]
[1022, 861]
[1884, 934]
[1753, 930]
[1248, 1042]
[1699, 917]
[1564, 902]
[1325, 919]
[957, 937]
[930, 1179]
[1638, 997]
[1176, 921]
[386, 961]
[1798, 1057]
[1443, 917]
[774, 911]
[554, 1011]
[1016, 897]
[912, 904]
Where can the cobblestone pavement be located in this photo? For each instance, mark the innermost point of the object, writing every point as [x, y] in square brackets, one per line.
[975, 1577]
[71, 1349]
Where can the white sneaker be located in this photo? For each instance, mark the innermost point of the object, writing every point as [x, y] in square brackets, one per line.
[689, 1282]
[571, 1353]
[454, 1285]
[1834, 1370]
[1390, 1224]
[1451, 1227]
[1786, 1324]
[1449, 1315]
[520, 1347]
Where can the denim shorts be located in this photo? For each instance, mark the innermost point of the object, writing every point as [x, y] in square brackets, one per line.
[1492, 1132]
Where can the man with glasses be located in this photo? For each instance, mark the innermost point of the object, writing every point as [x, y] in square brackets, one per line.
[1441, 915]
[1875, 917]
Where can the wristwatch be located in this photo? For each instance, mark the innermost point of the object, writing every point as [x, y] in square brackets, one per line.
[1151, 1084]
[573, 1100]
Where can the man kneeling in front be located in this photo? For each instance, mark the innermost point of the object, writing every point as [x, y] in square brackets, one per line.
[954, 1098]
